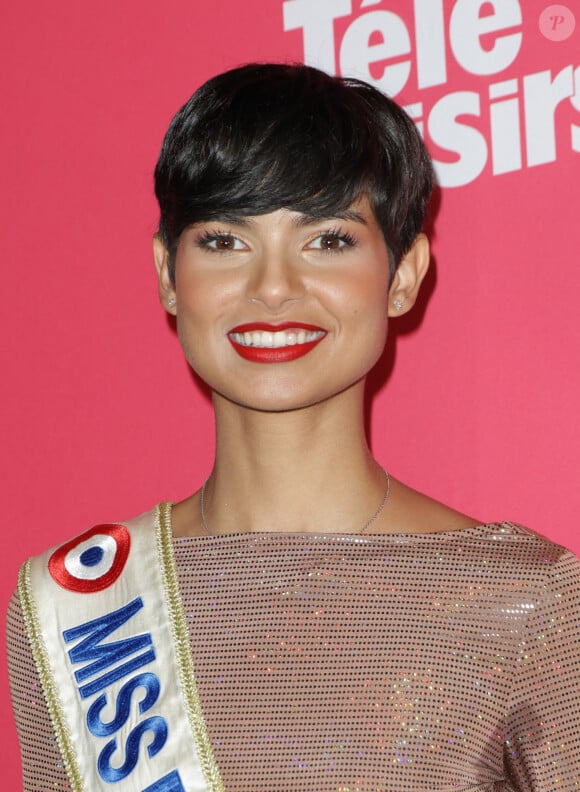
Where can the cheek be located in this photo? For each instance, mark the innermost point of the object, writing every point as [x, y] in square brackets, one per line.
[370, 314]
[203, 317]
[374, 326]
[365, 298]
[193, 318]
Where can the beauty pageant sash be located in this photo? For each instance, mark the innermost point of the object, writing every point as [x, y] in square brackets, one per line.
[109, 638]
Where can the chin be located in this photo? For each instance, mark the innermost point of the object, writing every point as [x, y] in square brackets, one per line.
[279, 399]
[270, 402]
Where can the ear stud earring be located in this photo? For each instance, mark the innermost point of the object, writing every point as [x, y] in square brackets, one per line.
[398, 304]
[171, 302]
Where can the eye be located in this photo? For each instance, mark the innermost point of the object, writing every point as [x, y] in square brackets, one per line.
[331, 242]
[220, 242]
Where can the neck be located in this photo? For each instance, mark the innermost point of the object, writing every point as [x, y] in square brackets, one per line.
[307, 470]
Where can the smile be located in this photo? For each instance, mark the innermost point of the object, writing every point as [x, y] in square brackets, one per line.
[263, 343]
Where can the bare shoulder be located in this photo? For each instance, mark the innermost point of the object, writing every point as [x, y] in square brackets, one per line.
[412, 512]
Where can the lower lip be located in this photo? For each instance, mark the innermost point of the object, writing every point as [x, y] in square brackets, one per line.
[277, 355]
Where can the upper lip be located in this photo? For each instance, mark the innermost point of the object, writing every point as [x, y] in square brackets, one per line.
[249, 327]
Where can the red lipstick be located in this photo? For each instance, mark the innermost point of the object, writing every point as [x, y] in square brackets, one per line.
[274, 328]
[274, 354]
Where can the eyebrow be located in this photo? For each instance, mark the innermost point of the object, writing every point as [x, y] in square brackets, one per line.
[308, 218]
[303, 218]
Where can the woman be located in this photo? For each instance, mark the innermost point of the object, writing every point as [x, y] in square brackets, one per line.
[305, 621]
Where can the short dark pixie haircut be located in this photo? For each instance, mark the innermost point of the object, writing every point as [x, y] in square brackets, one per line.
[264, 137]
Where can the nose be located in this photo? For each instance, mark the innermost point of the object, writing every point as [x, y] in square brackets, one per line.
[275, 280]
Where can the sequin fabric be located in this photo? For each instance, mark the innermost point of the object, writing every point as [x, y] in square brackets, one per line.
[388, 663]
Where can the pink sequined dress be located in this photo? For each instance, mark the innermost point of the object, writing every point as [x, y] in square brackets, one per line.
[380, 663]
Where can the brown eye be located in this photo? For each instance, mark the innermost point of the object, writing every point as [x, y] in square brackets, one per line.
[221, 243]
[225, 243]
[330, 242]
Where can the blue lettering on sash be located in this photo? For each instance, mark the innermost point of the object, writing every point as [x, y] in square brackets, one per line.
[169, 783]
[105, 655]
[154, 724]
[104, 659]
[123, 705]
[116, 673]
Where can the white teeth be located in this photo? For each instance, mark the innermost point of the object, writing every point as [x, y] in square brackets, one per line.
[282, 338]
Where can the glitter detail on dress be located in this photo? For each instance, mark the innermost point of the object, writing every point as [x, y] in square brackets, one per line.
[379, 663]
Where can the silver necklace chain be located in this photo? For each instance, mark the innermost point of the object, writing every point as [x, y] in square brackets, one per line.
[362, 530]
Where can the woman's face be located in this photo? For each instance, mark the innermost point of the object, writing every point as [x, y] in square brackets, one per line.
[280, 311]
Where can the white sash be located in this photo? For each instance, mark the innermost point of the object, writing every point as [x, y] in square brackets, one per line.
[109, 638]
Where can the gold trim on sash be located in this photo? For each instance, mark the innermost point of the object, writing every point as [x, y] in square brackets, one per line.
[183, 648]
[53, 701]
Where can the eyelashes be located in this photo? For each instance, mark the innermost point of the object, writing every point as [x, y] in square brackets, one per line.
[332, 240]
[219, 242]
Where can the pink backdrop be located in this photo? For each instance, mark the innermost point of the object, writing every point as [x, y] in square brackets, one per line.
[476, 399]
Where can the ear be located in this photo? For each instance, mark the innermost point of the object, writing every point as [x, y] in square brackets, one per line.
[409, 276]
[166, 288]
